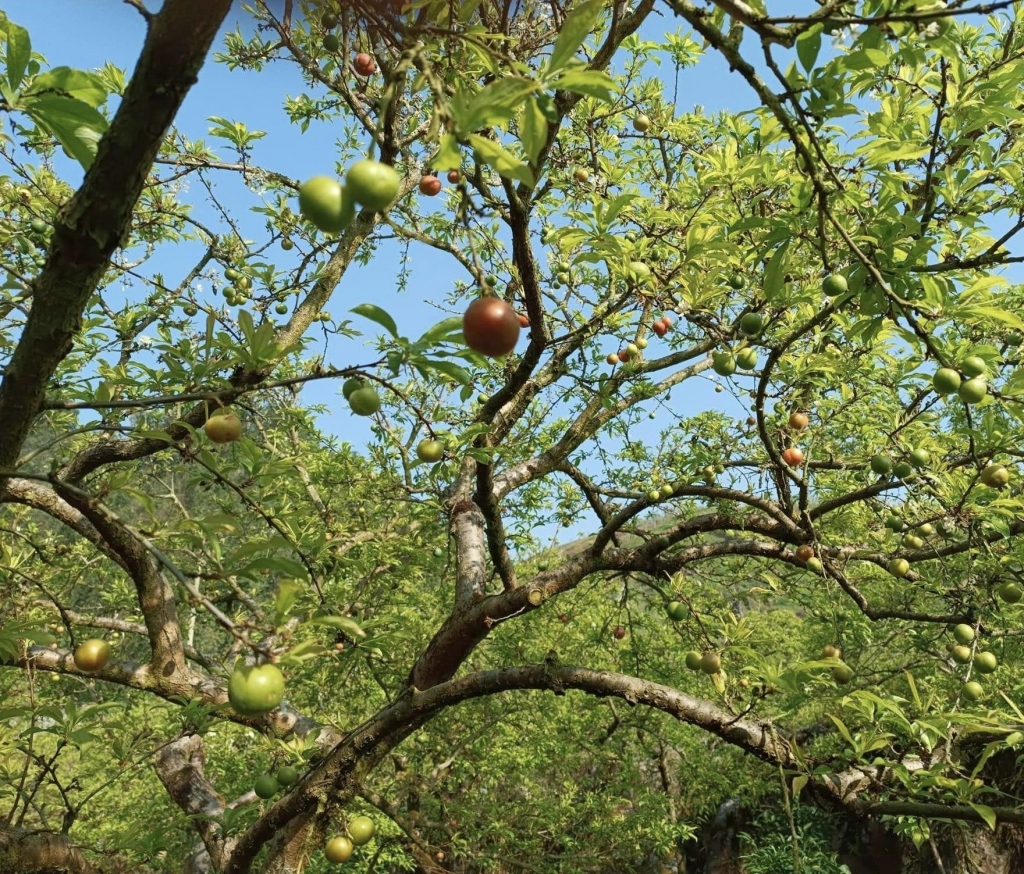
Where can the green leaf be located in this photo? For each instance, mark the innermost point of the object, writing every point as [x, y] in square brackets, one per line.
[775, 273]
[446, 329]
[349, 626]
[449, 368]
[19, 53]
[449, 155]
[375, 314]
[494, 104]
[577, 26]
[808, 45]
[592, 83]
[288, 591]
[87, 87]
[76, 125]
[505, 163]
[799, 783]
[533, 130]
[987, 814]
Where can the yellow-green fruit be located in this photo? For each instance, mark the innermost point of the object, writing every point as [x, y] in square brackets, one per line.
[223, 428]
[361, 829]
[960, 654]
[1010, 592]
[338, 850]
[693, 661]
[995, 475]
[974, 366]
[973, 391]
[723, 363]
[899, 567]
[946, 380]
[92, 654]
[842, 674]
[373, 184]
[963, 634]
[710, 663]
[364, 401]
[746, 359]
[323, 203]
[973, 691]
[834, 285]
[881, 464]
[985, 662]
[255, 689]
[430, 451]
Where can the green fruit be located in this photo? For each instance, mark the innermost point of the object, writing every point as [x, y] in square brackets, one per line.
[361, 829]
[985, 662]
[834, 285]
[255, 689]
[338, 850]
[654, 495]
[190, 310]
[973, 391]
[912, 541]
[1010, 592]
[364, 401]
[973, 691]
[736, 281]
[331, 42]
[723, 363]
[38, 226]
[842, 674]
[676, 611]
[899, 567]
[438, 552]
[287, 775]
[894, 524]
[324, 203]
[946, 380]
[746, 359]
[751, 324]
[710, 663]
[960, 654]
[668, 490]
[995, 476]
[641, 123]
[373, 184]
[920, 457]
[266, 786]
[281, 309]
[881, 464]
[973, 366]
[963, 633]
[287, 244]
[903, 470]
[231, 274]
[329, 20]
[814, 565]
[430, 451]
[352, 384]
[638, 271]
[693, 661]
[926, 530]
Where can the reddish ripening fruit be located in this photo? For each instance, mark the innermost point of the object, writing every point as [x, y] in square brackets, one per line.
[798, 421]
[659, 328]
[667, 321]
[491, 327]
[563, 618]
[624, 356]
[619, 632]
[453, 176]
[430, 186]
[793, 456]
[612, 359]
[805, 552]
[524, 320]
[364, 65]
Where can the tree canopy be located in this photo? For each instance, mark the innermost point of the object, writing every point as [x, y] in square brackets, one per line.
[701, 483]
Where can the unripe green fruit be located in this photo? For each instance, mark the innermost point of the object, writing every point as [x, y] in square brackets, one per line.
[881, 464]
[963, 633]
[985, 662]
[693, 661]
[946, 380]
[842, 674]
[751, 324]
[364, 401]
[973, 691]
[266, 786]
[834, 285]
[974, 366]
[973, 391]
[960, 654]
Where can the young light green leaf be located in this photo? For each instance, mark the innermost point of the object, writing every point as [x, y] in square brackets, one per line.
[19, 53]
[375, 314]
[986, 813]
[446, 329]
[775, 272]
[494, 104]
[577, 26]
[87, 87]
[592, 83]
[343, 623]
[533, 129]
[505, 163]
[76, 125]
[808, 44]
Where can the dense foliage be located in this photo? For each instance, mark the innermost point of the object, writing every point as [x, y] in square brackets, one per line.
[739, 517]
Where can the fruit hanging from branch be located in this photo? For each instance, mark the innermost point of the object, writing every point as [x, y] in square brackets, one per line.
[255, 689]
[490, 326]
[223, 427]
[430, 186]
[364, 65]
[92, 654]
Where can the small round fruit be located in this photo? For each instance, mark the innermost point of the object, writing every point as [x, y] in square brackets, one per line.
[373, 184]
[1010, 592]
[881, 464]
[723, 363]
[667, 490]
[255, 689]
[612, 359]
[903, 470]
[737, 281]
[430, 451]
[329, 21]
[619, 632]
[361, 829]
[752, 323]
[945, 381]
[920, 457]
[324, 204]
[912, 541]
[190, 310]
[582, 174]
[985, 662]
[364, 65]
[693, 660]
[491, 327]
[973, 391]
[926, 529]
[973, 691]
[266, 786]
[524, 320]
[814, 565]
[894, 524]
[351, 384]
[798, 421]
[710, 663]
[364, 401]
[638, 271]
[963, 633]
[38, 226]
[804, 553]
[454, 176]
[624, 356]
[641, 123]
[286, 775]
[746, 359]
[338, 849]
[438, 552]
[654, 495]
[842, 674]
[92, 654]
[641, 342]
[676, 611]
[793, 456]
[831, 652]
[973, 366]
[330, 42]
[223, 428]
[834, 285]
[899, 567]
[281, 309]
[231, 275]
[632, 349]
[960, 654]
[995, 476]
[430, 186]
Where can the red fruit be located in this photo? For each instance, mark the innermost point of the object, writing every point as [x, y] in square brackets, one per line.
[364, 65]
[619, 632]
[624, 356]
[524, 320]
[805, 553]
[430, 186]
[562, 617]
[793, 456]
[667, 321]
[659, 328]
[490, 326]
[453, 176]
[798, 421]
